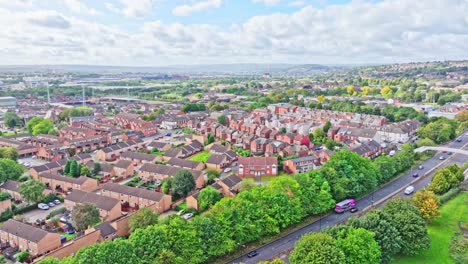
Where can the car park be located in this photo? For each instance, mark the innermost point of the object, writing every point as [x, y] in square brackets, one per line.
[43, 206]
[252, 254]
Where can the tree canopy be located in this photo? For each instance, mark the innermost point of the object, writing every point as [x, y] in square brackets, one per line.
[84, 216]
[183, 183]
[143, 218]
[32, 191]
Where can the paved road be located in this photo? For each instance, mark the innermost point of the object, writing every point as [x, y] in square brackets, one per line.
[35, 214]
[280, 247]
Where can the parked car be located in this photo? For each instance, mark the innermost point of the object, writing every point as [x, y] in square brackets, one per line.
[409, 190]
[187, 216]
[354, 209]
[415, 175]
[441, 157]
[57, 202]
[421, 167]
[227, 170]
[43, 206]
[252, 254]
[51, 204]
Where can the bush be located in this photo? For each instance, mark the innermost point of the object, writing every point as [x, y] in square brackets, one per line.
[55, 212]
[131, 184]
[24, 178]
[52, 197]
[459, 248]
[6, 215]
[4, 196]
[24, 209]
[449, 195]
[22, 256]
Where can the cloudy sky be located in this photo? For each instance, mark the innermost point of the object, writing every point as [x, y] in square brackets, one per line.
[167, 32]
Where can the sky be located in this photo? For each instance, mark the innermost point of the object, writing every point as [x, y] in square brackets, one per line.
[175, 32]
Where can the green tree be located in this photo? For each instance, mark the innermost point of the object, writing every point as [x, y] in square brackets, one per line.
[66, 169]
[319, 136]
[386, 92]
[208, 197]
[75, 169]
[210, 139]
[32, 191]
[327, 126]
[386, 235]
[71, 152]
[359, 246]
[39, 125]
[317, 248]
[324, 199]
[119, 251]
[96, 168]
[84, 216]
[211, 175]
[166, 185]
[405, 217]
[9, 153]
[183, 183]
[143, 218]
[222, 119]
[10, 170]
[283, 130]
[85, 171]
[166, 257]
[440, 183]
[23, 256]
[427, 203]
[321, 99]
[387, 167]
[11, 119]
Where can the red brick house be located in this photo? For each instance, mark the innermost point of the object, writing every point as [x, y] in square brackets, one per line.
[257, 166]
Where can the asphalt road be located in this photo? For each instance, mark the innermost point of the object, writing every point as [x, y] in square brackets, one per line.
[280, 248]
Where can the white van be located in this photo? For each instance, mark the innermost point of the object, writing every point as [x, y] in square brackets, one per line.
[409, 190]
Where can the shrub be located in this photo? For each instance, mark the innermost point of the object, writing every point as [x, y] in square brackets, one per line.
[6, 215]
[24, 209]
[449, 195]
[458, 249]
[55, 212]
[22, 256]
[4, 196]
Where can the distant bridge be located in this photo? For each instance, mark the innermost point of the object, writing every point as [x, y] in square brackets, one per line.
[459, 151]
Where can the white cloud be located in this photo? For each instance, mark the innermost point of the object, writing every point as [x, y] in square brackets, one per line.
[185, 10]
[132, 8]
[298, 3]
[267, 2]
[348, 33]
[10, 4]
[79, 7]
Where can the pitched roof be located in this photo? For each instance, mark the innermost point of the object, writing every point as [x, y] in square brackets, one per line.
[137, 156]
[106, 229]
[101, 202]
[23, 230]
[188, 164]
[137, 192]
[232, 181]
[11, 186]
[260, 161]
[55, 176]
[167, 170]
[216, 159]
[123, 164]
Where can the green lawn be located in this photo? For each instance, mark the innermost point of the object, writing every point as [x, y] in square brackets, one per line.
[201, 157]
[441, 231]
[68, 236]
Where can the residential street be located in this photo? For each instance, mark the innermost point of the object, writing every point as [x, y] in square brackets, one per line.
[280, 248]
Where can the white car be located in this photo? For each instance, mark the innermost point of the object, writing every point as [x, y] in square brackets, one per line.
[409, 190]
[228, 170]
[187, 216]
[43, 206]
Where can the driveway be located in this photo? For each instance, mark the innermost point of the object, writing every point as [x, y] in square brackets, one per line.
[31, 216]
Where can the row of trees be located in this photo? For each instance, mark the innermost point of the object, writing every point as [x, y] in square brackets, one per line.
[446, 179]
[439, 130]
[75, 112]
[193, 107]
[256, 212]
[398, 229]
[74, 169]
[10, 170]
[390, 167]
[8, 153]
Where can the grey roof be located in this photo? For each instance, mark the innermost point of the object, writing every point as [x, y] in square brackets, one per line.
[55, 176]
[11, 186]
[106, 229]
[306, 158]
[23, 230]
[122, 164]
[101, 202]
[172, 153]
[137, 156]
[137, 192]
[167, 170]
[216, 159]
[232, 180]
[188, 164]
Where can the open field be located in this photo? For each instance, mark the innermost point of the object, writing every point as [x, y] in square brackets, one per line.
[201, 157]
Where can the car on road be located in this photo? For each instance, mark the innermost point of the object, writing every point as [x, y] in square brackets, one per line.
[420, 167]
[449, 153]
[252, 254]
[409, 190]
[459, 139]
[354, 209]
[43, 206]
[51, 204]
[444, 151]
[344, 205]
[441, 157]
[187, 216]
[415, 175]
[228, 170]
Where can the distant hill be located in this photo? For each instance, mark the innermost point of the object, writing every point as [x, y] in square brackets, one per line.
[241, 68]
